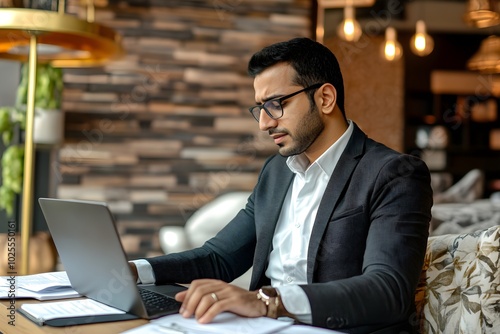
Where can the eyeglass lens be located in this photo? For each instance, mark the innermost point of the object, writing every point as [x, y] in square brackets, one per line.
[273, 108]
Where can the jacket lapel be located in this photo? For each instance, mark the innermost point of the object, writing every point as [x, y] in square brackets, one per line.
[335, 187]
[267, 219]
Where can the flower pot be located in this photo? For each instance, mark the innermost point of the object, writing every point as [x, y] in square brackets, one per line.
[48, 127]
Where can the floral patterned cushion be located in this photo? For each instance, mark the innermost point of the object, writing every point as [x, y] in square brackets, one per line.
[459, 290]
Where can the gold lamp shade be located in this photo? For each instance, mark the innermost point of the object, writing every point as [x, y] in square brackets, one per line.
[482, 13]
[63, 40]
[487, 58]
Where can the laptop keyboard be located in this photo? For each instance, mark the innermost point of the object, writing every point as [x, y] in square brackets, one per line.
[158, 303]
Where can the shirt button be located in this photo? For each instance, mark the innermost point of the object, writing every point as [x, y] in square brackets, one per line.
[297, 225]
[289, 279]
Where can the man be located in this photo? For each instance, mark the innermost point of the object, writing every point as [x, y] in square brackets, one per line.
[337, 223]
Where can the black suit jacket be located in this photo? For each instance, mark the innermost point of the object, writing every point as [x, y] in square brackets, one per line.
[367, 245]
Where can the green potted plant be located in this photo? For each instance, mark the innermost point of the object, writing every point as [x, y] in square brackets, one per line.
[12, 159]
[48, 128]
[49, 119]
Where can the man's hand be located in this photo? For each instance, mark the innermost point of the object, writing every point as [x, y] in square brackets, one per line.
[206, 298]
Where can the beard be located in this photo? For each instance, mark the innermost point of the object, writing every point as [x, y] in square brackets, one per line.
[308, 129]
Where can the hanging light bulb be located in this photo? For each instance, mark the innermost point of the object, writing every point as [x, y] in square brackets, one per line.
[349, 29]
[421, 43]
[391, 49]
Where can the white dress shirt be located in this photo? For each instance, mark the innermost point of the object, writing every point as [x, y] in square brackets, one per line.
[288, 260]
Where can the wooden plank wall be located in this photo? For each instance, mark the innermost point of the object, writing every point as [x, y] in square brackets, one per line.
[165, 129]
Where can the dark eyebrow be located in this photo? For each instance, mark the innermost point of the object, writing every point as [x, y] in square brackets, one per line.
[272, 97]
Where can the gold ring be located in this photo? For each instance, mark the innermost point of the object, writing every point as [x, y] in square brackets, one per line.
[214, 296]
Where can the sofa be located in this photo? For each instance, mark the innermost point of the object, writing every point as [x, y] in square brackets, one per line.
[459, 290]
[462, 208]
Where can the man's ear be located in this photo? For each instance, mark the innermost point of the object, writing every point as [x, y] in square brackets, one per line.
[328, 98]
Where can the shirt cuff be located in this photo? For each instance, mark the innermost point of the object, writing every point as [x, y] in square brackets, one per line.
[296, 302]
[144, 271]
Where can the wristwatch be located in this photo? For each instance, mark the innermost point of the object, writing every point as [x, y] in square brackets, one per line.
[270, 296]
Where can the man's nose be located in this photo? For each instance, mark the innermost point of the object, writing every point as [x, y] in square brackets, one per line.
[266, 122]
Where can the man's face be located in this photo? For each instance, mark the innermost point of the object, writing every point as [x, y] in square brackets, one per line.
[300, 124]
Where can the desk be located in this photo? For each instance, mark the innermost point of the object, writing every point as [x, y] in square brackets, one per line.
[25, 326]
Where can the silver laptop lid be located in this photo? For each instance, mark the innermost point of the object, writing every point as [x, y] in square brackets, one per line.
[89, 246]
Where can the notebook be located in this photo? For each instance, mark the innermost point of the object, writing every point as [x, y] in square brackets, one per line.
[85, 235]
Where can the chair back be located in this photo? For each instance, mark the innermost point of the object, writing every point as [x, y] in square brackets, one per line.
[213, 216]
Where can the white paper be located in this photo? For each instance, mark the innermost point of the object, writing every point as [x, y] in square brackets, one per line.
[224, 323]
[59, 293]
[70, 308]
[153, 328]
[39, 282]
[45, 286]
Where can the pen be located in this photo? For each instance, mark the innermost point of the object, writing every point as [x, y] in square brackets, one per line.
[172, 328]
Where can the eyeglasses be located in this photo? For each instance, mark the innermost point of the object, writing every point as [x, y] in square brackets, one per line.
[273, 107]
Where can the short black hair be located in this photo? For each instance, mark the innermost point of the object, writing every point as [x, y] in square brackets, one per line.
[313, 62]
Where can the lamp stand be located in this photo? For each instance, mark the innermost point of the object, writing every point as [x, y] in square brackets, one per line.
[29, 161]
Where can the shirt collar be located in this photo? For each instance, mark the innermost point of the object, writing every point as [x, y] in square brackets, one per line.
[327, 161]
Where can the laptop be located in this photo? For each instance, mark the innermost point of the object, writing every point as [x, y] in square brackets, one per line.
[85, 235]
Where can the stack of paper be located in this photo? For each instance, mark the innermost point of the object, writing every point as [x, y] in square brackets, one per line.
[224, 323]
[40, 313]
[46, 286]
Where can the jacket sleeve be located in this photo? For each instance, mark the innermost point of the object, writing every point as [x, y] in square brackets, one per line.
[226, 256]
